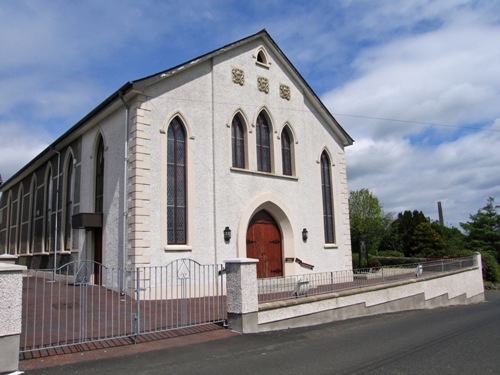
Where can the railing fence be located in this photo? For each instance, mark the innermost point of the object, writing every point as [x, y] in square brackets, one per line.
[86, 302]
[281, 288]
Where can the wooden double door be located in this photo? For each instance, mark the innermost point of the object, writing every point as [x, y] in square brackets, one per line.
[264, 243]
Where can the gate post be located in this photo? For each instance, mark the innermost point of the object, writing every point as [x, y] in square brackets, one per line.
[242, 298]
[11, 295]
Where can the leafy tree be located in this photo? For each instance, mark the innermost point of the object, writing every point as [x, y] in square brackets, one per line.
[453, 239]
[400, 237]
[426, 242]
[366, 219]
[483, 229]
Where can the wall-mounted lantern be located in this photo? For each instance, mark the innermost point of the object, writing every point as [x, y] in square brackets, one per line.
[305, 235]
[227, 234]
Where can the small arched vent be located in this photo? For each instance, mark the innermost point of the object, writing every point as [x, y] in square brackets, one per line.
[261, 57]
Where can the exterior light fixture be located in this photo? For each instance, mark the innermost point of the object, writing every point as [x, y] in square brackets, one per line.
[305, 234]
[227, 234]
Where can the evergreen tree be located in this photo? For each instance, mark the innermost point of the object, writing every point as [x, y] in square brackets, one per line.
[453, 239]
[483, 230]
[403, 229]
[426, 242]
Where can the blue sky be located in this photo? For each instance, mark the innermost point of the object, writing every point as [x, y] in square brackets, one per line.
[422, 62]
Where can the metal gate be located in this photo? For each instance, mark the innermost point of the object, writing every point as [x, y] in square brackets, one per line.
[85, 302]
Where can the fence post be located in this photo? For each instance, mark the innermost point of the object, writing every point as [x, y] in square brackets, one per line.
[242, 295]
[138, 301]
[11, 295]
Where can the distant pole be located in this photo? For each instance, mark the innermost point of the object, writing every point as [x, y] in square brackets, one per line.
[440, 211]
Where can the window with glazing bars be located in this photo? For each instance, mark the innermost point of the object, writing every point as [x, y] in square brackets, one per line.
[176, 183]
[31, 234]
[263, 144]
[286, 152]
[99, 177]
[48, 211]
[238, 142]
[326, 189]
[69, 204]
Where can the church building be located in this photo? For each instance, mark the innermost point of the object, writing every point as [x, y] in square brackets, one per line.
[225, 156]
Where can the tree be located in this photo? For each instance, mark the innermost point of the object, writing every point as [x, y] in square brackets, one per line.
[453, 239]
[402, 231]
[427, 242]
[483, 230]
[366, 219]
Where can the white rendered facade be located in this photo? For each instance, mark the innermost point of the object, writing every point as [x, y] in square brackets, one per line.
[248, 78]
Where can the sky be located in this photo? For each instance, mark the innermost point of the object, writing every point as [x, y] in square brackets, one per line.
[416, 83]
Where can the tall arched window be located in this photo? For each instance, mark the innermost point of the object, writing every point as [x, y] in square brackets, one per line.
[99, 177]
[238, 142]
[31, 233]
[326, 189]
[176, 183]
[68, 202]
[49, 185]
[286, 152]
[20, 217]
[8, 223]
[263, 144]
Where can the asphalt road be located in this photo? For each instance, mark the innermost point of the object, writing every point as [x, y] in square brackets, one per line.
[454, 340]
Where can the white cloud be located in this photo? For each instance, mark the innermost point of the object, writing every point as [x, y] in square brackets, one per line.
[445, 75]
[419, 60]
[19, 145]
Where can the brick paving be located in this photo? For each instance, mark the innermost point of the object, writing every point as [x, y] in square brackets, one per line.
[61, 318]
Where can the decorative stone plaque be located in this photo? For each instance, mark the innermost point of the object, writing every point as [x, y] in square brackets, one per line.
[238, 76]
[285, 92]
[263, 84]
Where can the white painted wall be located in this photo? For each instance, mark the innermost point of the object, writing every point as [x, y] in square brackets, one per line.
[206, 98]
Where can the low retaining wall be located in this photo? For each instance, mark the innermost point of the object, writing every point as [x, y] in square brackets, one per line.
[454, 288]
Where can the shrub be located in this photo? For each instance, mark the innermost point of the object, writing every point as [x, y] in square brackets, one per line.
[355, 260]
[391, 254]
[374, 262]
[491, 267]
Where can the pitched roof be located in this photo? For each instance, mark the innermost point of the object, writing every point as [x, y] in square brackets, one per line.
[136, 86]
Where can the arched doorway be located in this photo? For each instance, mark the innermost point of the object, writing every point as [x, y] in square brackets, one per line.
[264, 244]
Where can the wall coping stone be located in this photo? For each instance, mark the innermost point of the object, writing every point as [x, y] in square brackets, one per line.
[242, 261]
[321, 297]
[8, 267]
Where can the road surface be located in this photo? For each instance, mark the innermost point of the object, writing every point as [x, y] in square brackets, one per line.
[454, 340]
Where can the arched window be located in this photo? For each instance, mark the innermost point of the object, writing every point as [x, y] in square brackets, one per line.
[20, 214]
[48, 210]
[326, 189]
[31, 233]
[176, 183]
[8, 223]
[99, 177]
[286, 152]
[68, 202]
[263, 144]
[238, 142]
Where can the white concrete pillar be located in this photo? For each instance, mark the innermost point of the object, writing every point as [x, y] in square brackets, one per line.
[242, 298]
[11, 297]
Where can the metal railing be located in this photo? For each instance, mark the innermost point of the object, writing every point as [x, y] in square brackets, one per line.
[282, 288]
[85, 302]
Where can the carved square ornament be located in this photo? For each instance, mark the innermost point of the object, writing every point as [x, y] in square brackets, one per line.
[238, 76]
[263, 84]
[285, 92]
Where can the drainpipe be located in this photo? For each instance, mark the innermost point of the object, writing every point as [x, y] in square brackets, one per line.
[214, 209]
[125, 209]
[56, 222]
